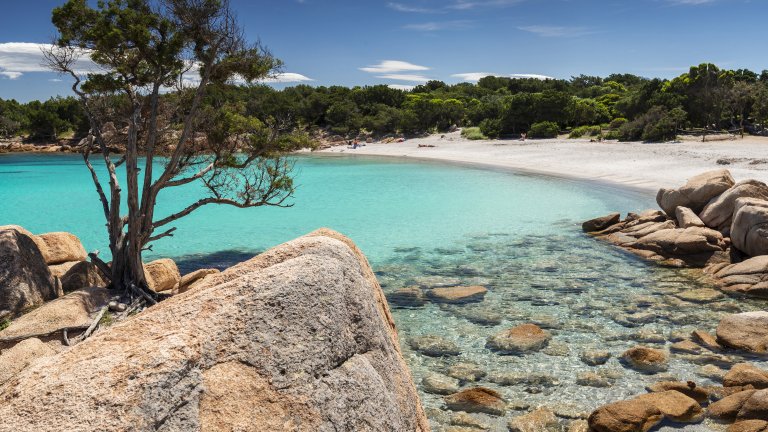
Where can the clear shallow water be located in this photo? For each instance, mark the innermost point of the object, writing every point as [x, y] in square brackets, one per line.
[423, 224]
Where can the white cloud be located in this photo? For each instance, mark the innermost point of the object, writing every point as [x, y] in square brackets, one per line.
[400, 7]
[18, 58]
[11, 75]
[556, 31]
[434, 26]
[389, 66]
[404, 77]
[473, 76]
[287, 77]
[403, 87]
[470, 4]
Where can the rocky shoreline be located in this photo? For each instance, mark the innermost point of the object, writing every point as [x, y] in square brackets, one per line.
[718, 226]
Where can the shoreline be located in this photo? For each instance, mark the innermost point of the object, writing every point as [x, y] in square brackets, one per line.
[640, 167]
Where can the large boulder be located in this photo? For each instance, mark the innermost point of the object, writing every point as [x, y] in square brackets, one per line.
[696, 193]
[298, 338]
[74, 311]
[17, 358]
[61, 247]
[686, 218]
[756, 407]
[84, 274]
[675, 406]
[682, 241]
[25, 280]
[718, 213]
[749, 230]
[162, 275]
[745, 331]
[744, 374]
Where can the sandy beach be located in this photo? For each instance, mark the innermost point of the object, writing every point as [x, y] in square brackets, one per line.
[643, 166]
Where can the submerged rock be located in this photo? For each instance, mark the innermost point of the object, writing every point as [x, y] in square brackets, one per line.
[25, 280]
[434, 346]
[299, 337]
[407, 297]
[689, 388]
[595, 358]
[539, 420]
[439, 384]
[466, 372]
[646, 359]
[477, 400]
[521, 339]
[457, 294]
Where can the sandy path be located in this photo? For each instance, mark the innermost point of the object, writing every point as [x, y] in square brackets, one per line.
[638, 165]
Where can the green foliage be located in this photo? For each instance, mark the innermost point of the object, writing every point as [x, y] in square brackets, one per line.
[491, 127]
[617, 123]
[582, 131]
[710, 97]
[473, 133]
[545, 129]
[4, 324]
[658, 124]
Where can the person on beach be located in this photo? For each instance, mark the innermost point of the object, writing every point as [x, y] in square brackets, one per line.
[523, 136]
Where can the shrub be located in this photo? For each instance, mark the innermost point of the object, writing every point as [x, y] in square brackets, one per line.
[545, 129]
[617, 123]
[655, 125]
[473, 133]
[612, 135]
[585, 131]
[491, 127]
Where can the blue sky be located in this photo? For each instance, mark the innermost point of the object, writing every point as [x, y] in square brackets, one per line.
[403, 43]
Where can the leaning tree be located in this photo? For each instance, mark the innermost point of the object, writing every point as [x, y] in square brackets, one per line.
[153, 124]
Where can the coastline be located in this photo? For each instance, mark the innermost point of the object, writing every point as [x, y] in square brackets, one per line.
[642, 167]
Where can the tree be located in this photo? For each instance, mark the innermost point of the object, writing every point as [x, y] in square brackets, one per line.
[144, 48]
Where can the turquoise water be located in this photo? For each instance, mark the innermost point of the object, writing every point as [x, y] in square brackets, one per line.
[428, 224]
[381, 204]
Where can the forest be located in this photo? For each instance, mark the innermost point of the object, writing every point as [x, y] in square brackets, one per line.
[620, 106]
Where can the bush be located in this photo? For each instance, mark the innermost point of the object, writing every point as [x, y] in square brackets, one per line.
[617, 122]
[585, 131]
[473, 133]
[655, 125]
[545, 129]
[491, 127]
[612, 135]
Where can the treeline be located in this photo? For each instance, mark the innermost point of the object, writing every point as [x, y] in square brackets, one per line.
[622, 106]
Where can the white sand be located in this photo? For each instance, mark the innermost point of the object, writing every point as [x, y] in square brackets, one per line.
[643, 166]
